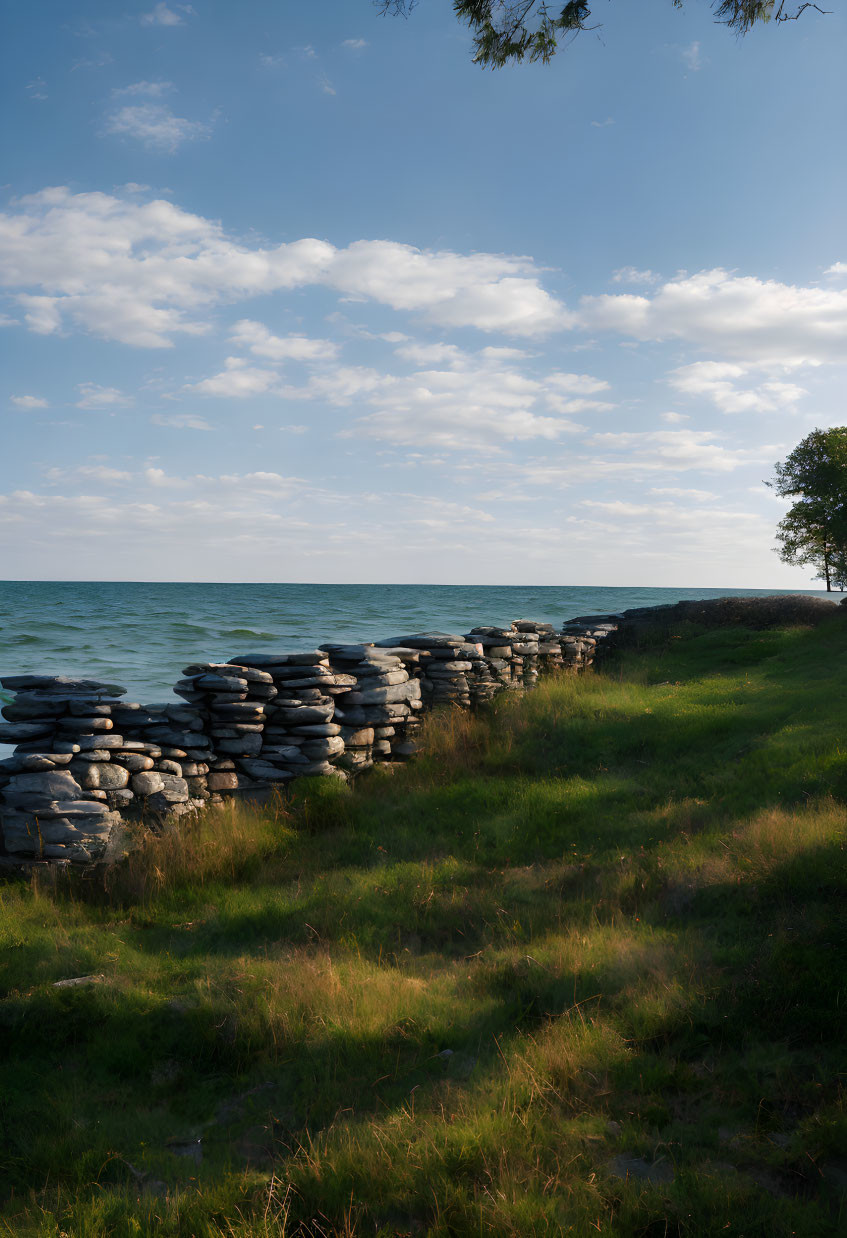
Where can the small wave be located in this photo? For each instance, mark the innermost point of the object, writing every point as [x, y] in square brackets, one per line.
[249, 634]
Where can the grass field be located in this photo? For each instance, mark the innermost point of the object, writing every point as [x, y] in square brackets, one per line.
[581, 968]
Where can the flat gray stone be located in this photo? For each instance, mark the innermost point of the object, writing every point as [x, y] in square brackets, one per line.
[300, 715]
[60, 683]
[264, 771]
[307, 657]
[422, 640]
[53, 785]
[23, 732]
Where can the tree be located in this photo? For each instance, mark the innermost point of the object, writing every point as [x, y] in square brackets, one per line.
[507, 31]
[814, 529]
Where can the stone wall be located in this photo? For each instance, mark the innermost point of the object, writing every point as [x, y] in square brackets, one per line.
[85, 759]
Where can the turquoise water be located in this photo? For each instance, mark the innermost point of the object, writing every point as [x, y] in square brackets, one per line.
[141, 635]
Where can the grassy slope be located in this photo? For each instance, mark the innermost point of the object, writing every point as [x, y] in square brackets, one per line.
[600, 930]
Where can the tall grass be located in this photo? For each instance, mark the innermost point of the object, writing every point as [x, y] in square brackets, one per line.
[578, 969]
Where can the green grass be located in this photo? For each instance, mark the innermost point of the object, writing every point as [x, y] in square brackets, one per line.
[600, 927]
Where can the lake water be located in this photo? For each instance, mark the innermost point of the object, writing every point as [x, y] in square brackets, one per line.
[142, 635]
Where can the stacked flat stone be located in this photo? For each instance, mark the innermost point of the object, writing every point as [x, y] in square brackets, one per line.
[580, 639]
[230, 704]
[59, 790]
[498, 647]
[445, 664]
[166, 753]
[300, 734]
[377, 702]
[549, 654]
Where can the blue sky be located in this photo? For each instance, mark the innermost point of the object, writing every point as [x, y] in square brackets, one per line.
[296, 292]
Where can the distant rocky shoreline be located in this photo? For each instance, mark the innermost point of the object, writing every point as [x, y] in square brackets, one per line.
[86, 761]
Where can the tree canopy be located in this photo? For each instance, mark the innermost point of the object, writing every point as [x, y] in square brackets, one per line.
[814, 529]
[506, 31]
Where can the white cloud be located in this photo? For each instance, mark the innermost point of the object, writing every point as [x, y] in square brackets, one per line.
[326, 85]
[161, 15]
[355, 45]
[90, 472]
[151, 90]
[133, 271]
[680, 449]
[29, 401]
[691, 57]
[584, 384]
[475, 407]
[742, 317]
[674, 419]
[603, 124]
[180, 421]
[156, 126]
[631, 275]
[718, 382]
[682, 492]
[238, 381]
[837, 268]
[256, 337]
[92, 395]
[37, 89]
[471, 400]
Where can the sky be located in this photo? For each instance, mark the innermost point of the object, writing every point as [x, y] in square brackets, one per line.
[296, 292]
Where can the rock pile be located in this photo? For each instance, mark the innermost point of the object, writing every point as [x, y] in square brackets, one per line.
[60, 789]
[84, 756]
[377, 702]
[230, 703]
[444, 665]
[166, 754]
[300, 735]
[580, 638]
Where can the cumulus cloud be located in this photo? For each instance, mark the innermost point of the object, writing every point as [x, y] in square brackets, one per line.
[151, 90]
[156, 126]
[478, 400]
[161, 15]
[135, 271]
[28, 401]
[739, 316]
[238, 380]
[482, 407]
[92, 395]
[260, 341]
[90, 472]
[719, 381]
[679, 449]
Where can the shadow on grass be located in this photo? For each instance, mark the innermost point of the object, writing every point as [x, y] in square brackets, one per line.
[685, 1006]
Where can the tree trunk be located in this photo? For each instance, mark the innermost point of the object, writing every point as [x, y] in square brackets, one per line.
[826, 567]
